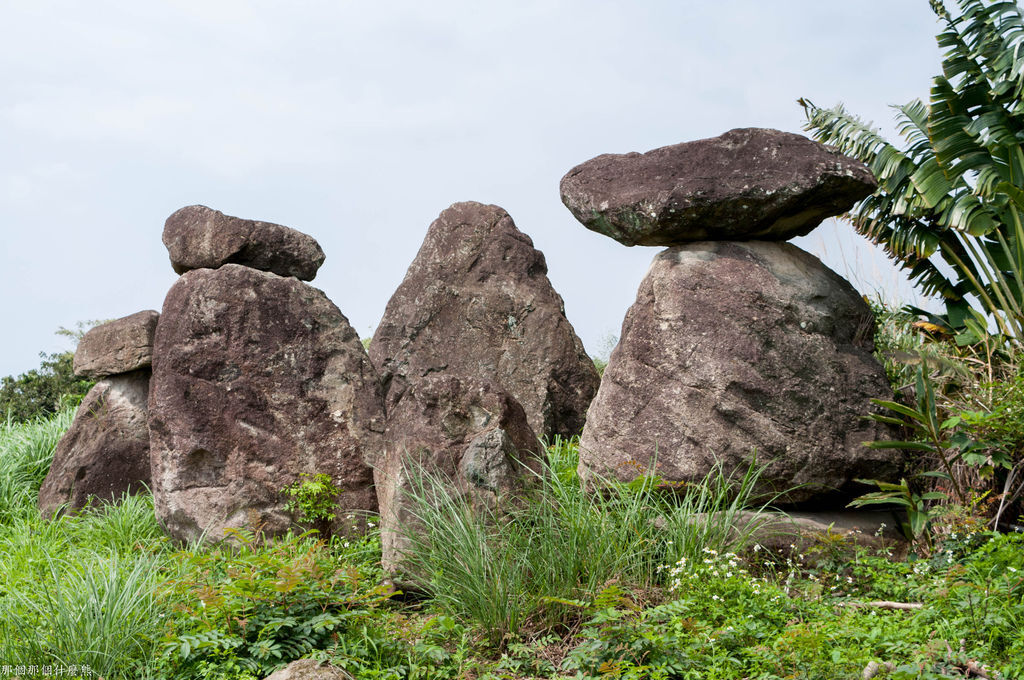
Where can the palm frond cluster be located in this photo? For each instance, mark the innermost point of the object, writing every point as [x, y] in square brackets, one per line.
[949, 206]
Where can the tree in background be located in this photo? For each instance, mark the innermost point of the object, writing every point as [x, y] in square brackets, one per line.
[43, 391]
[957, 191]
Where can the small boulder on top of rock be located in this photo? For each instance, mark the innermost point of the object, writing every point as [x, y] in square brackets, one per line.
[198, 237]
[468, 434]
[257, 379]
[739, 352]
[105, 452]
[476, 301]
[747, 184]
[118, 346]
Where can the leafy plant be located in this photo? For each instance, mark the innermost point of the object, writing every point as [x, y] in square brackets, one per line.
[313, 499]
[917, 506]
[957, 190]
[259, 607]
[935, 439]
[938, 439]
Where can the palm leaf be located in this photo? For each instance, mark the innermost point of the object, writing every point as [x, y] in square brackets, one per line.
[956, 192]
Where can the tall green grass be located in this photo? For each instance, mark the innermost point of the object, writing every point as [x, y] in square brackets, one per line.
[26, 451]
[536, 564]
[84, 609]
[79, 589]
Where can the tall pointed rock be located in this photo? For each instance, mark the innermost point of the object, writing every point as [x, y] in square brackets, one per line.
[477, 302]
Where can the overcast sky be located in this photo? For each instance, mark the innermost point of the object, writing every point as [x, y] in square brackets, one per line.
[358, 122]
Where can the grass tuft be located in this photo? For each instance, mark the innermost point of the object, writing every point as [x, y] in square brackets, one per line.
[535, 566]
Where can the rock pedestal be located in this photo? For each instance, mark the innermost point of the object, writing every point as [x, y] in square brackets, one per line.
[741, 350]
[468, 435]
[256, 379]
[105, 452]
[477, 302]
[736, 352]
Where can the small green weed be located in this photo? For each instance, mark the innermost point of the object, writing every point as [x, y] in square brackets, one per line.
[313, 500]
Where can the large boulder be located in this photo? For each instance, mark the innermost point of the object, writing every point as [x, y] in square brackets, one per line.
[257, 378]
[740, 351]
[118, 346]
[467, 434]
[199, 237]
[746, 184]
[105, 453]
[477, 302]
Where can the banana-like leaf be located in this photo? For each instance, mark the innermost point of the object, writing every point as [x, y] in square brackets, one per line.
[957, 189]
[918, 522]
[884, 486]
[876, 498]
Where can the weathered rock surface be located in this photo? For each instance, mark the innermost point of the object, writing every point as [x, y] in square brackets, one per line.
[746, 184]
[733, 349]
[257, 378]
[469, 433]
[118, 346]
[198, 237]
[309, 669]
[105, 452]
[477, 301]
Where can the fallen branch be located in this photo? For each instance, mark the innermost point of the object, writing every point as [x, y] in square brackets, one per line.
[884, 604]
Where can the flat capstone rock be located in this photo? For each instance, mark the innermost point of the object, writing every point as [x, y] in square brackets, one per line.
[118, 346]
[747, 184]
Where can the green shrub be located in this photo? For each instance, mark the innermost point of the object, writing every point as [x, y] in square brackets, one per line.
[312, 499]
[256, 606]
